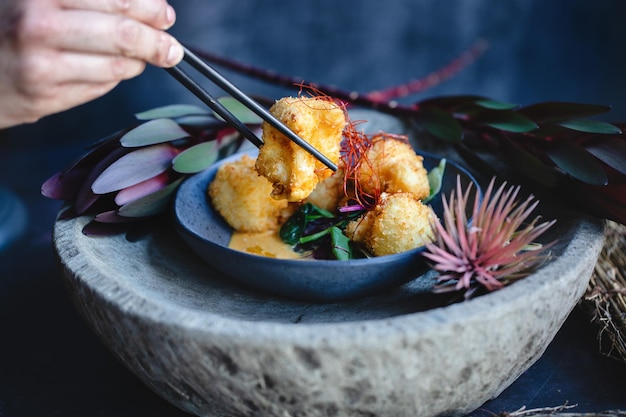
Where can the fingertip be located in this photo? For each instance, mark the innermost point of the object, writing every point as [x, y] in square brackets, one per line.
[175, 54]
[170, 16]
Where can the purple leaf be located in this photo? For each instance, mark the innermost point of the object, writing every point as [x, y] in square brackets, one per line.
[611, 151]
[64, 187]
[95, 228]
[86, 197]
[150, 204]
[112, 217]
[135, 167]
[527, 164]
[144, 188]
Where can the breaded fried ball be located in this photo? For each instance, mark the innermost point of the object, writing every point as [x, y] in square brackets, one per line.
[329, 192]
[398, 224]
[294, 172]
[243, 199]
[396, 167]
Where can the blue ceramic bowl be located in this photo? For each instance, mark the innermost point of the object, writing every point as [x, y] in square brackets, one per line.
[208, 235]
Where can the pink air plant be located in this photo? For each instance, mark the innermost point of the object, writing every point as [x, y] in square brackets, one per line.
[492, 248]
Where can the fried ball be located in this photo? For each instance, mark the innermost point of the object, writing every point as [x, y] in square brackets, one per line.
[329, 192]
[243, 199]
[394, 167]
[400, 222]
[294, 172]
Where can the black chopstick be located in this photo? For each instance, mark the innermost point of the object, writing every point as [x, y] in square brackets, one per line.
[213, 104]
[205, 69]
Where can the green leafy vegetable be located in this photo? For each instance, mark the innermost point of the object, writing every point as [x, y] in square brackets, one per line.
[340, 244]
[293, 229]
[435, 179]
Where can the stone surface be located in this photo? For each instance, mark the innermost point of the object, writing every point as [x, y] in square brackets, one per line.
[214, 348]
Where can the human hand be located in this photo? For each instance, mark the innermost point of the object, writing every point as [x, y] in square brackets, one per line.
[57, 54]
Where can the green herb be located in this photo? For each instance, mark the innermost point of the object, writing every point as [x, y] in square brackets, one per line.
[341, 244]
[292, 231]
[435, 179]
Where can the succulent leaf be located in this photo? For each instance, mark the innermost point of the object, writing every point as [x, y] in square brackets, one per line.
[450, 102]
[64, 187]
[141, 189]
[196, 158]
[440, 124]
[172, 111]
[134, 167]
[497, 105]
[151, 204]
[577, 162]
[591, 126]
[506, 120]
[86, 197]
[611, 151]
[241, 112]
[557, 112]
[528, 164]
[153, 132]
[200, 121]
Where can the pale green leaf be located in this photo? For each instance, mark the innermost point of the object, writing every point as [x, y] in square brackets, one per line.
[241, 112]
[172, 111]
[496, 105]
[197, 158]
[591, 126]
[153, 132]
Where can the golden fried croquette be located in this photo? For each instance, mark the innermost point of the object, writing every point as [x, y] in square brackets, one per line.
[400, 222]
[394, 165]
[329, 192]
[243, 199]
[294, 172]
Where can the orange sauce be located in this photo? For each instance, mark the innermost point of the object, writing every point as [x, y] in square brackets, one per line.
[266, 244]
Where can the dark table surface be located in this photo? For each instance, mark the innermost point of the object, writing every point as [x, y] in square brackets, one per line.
[51, 364]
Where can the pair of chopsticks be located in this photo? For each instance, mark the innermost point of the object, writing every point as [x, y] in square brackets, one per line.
[205, 69]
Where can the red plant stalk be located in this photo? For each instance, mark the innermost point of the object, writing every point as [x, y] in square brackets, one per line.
[380, 100]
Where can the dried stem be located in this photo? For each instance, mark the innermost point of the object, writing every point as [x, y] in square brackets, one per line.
[557, 411]
[433, 79]
[382, 100]
[606, 294]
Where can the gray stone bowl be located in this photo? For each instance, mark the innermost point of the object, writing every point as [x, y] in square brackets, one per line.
[216, 348]
[206, 232]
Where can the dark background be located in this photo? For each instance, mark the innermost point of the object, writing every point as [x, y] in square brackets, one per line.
[566, 50]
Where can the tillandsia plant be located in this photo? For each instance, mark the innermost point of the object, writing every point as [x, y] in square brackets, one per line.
[492, 247]
[128, 179]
